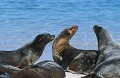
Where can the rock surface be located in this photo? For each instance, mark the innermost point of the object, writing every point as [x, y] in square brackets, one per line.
[71, 75]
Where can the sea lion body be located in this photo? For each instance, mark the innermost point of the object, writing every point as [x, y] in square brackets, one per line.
[17, 58]
[70, 58]
[56, 70]
[108, 64]
[45, 69]
[27, 54]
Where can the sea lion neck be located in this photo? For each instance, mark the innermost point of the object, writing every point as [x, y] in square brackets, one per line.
[60, 44]
[62, 41]
[38, 49]
[105, 40]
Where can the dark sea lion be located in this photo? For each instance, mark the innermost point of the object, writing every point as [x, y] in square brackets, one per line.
[108, 64]
[21, 73]
[45, 69]
[70, 58]
[27, 54]
[55, 70]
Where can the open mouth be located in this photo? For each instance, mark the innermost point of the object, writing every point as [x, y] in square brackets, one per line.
[73, 29]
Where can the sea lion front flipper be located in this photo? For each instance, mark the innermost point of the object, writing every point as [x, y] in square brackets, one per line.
[65, 64]
[11, 70]
[67, 58]
[57, 60]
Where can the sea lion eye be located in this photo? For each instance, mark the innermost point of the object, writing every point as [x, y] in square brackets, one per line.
[40, 39]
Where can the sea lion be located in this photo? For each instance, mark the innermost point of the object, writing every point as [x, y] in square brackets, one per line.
[70, 58]
[45, 69]
[56, 70]
[108, 64]
[27, 54]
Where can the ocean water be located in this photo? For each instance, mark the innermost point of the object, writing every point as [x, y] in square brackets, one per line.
[22, 20]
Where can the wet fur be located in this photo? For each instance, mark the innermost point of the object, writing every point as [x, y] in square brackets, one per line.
[45, 69]
[70, 58]
[108, 64]
[27, 54]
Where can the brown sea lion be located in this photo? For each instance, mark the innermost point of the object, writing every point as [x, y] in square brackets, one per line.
[108, 64]
[45, 69]
[27, 54]
[70, 58]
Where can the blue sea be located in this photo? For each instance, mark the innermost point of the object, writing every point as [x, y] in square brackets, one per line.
[22, 20]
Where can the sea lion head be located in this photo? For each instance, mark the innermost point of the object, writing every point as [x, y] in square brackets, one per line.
[101, 32]
[104, 38]
[43, 39]
[68, 32]
[61, 42]
[97, 28]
